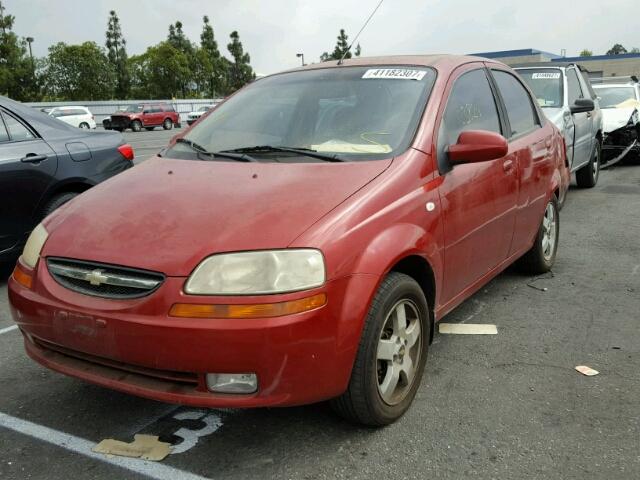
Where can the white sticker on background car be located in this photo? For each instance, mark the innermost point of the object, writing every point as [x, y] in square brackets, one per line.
[395, 73]
[546, 76]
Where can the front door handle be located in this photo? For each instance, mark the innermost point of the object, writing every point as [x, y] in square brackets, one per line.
[33, 158]
[588, 114]
[507, 166]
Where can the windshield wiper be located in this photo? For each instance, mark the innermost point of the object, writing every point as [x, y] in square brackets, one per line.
[307, 152]
[241, 157]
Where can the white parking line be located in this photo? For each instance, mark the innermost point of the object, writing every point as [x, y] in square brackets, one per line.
[83, 447]
[8, 329]
[468, 329]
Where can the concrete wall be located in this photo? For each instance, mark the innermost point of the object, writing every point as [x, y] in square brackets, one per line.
[103, 109]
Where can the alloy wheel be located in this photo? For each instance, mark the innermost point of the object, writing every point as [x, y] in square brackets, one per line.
[398, 353]
[549, 231]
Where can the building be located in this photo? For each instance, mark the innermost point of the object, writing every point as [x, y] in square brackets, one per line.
[598, 65]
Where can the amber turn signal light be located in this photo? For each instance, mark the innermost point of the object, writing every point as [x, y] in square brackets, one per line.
[22, 277]
[261, 310]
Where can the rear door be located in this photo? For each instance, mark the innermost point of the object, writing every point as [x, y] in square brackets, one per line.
[530, 143]
[478, 199]
[27, 167]
[583, 138]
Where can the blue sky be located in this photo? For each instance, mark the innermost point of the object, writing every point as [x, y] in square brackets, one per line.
[274, 31]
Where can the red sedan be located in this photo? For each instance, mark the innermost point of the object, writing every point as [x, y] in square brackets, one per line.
[299, 243]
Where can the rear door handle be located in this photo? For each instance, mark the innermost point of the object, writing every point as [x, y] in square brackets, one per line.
[507, 166]
[588, 114]
[33, 158]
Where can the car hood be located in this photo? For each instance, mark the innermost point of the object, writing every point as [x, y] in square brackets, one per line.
[167, 215]
[615, 118]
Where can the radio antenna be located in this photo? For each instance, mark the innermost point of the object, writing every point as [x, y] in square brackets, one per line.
[356, 37]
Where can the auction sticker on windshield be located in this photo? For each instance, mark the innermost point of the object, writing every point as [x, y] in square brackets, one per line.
[546, 75]
[395, 73]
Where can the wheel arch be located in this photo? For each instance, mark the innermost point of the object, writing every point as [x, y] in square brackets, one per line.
[70, 186]
[419, 268]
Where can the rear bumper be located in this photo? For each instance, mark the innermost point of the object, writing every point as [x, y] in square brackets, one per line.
[135, 347]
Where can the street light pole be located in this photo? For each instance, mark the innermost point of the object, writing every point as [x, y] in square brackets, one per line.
[301, 55]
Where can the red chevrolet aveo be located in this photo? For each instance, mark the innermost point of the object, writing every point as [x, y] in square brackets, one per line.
[300, 241]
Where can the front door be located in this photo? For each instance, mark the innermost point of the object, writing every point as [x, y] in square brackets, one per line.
[583, 122]
[478, 199]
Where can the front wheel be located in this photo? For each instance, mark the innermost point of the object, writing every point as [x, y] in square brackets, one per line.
[136, 126]
[587, 176]
[391, 356]
[542, 255]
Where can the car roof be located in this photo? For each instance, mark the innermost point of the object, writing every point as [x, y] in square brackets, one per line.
[559, 65]
[46, 125]
[438, 61]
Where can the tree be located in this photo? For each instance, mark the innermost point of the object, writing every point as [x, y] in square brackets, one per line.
[162, 72]
[179, 41]
[617, 49]
[211, 74]
[240, 72]
[78, 72]
[341, 49]
[117, 55]
[19, 77]
[634, 50]
[586, 53]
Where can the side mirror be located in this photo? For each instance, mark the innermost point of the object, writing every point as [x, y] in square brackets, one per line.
[582, 105]
[478, 146]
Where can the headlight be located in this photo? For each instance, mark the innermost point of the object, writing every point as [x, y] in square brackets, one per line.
[262, 272]
[34, 245]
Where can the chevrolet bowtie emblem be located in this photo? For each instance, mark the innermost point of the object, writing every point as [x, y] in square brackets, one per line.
[95, 277]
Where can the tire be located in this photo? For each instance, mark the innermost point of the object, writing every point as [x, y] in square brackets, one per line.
[367, 401]
[84, 126]
[149, 129]
[136, 126]
[542, 255]
[167, 124]
[587, 176]
[56, 202]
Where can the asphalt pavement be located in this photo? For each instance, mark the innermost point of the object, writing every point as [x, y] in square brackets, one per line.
[505, 406]
[146, 144]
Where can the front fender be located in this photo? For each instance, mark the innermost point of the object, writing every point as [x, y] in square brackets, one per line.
[400, 241]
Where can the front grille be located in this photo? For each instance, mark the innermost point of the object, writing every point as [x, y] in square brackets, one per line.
[103, 280]
[188, 378]
[119, 121]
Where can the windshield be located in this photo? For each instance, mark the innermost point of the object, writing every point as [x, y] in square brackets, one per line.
[204, 109]
[352, 112]
[546, 85]
[133, 108]
[611, 97]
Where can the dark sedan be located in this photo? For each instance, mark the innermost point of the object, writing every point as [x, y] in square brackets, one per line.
[44, 163]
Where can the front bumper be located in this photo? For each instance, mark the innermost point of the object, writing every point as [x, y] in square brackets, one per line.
[135, 347]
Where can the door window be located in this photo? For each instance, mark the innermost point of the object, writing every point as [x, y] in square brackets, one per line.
[573, 85]
[517, 101]
[471, 106]
[17, 131]
[4, 136]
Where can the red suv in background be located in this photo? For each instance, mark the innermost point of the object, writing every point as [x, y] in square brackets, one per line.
[143, 115]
